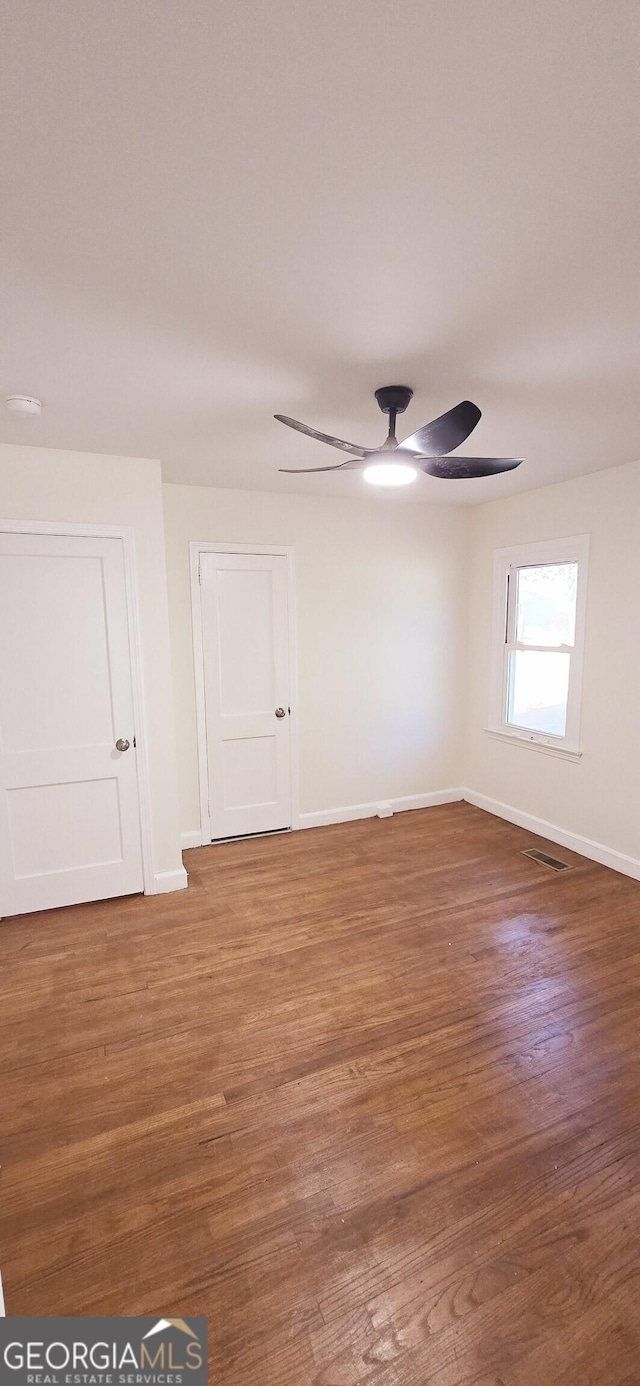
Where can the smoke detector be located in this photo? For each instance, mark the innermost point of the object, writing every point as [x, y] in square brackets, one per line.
[23, 406]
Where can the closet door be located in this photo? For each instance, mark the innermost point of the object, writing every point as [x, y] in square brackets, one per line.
[69, 813]
[246, 674]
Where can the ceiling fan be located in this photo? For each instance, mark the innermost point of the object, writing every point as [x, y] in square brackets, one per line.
[396, 464]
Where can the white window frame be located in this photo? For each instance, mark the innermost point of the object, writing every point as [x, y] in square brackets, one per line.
[574, 549]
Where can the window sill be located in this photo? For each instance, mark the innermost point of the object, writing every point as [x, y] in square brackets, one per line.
[521, 739]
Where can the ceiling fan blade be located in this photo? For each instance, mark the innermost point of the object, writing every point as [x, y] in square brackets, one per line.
[324, 437]
[443, 434]
[352, 464]
[459, 468]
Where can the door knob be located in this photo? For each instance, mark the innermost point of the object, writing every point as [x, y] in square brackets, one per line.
[280, 712]
[122, 744]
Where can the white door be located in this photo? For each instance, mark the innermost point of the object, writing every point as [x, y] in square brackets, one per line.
[245, 640]
[69, 815]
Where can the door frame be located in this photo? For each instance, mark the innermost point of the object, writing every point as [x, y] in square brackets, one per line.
[196, 547]
[126, 535]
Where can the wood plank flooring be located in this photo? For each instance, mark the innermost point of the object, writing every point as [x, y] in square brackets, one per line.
[368, 1097]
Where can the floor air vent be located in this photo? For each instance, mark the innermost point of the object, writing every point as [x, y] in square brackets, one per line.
[545, 860]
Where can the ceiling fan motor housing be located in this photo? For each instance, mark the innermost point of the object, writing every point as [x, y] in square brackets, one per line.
[394, 398]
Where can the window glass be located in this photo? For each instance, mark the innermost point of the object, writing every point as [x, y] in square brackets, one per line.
[538, 686]
[546, 605]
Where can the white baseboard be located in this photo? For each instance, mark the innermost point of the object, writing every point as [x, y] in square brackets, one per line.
[323, 817]
[3, 1311]
[596, 851]
[165, 881]
[191, 839]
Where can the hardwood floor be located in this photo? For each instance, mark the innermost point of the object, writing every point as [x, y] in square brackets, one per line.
[368, 1097]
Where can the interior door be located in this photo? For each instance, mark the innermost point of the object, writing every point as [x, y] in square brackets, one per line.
[69, 813]
[245, 639]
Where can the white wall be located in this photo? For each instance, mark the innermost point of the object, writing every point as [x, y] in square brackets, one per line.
[51, 484]
[599, 797]
[381, 596]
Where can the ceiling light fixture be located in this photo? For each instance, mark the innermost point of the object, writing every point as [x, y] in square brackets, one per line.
[428, 448]
[389, 474]
[23, 406]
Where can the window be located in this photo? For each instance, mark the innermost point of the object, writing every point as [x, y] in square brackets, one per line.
[540, 600]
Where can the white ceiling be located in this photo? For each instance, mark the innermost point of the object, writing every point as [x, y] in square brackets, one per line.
[215, 210]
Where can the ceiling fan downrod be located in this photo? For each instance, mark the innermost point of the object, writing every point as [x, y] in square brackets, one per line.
[393, 400]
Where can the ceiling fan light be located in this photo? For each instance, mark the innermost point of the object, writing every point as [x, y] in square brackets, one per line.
[389, 473]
